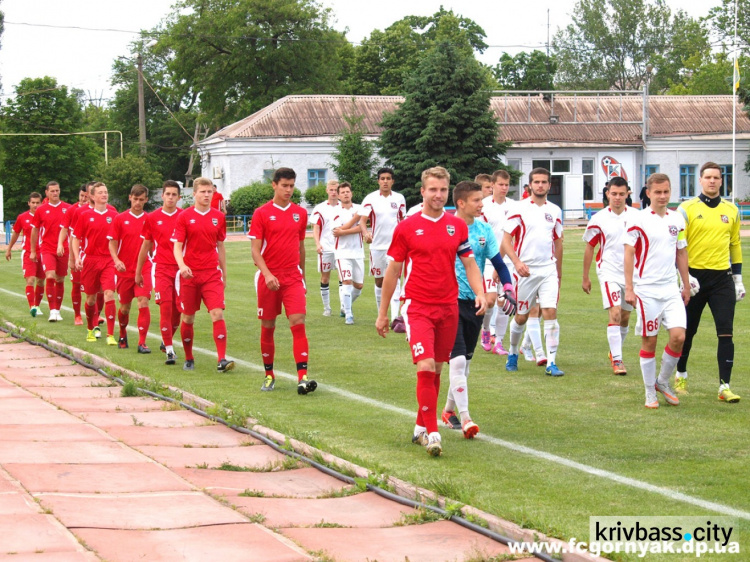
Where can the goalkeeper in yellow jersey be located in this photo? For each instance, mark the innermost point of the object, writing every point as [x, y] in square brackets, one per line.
[715, 264]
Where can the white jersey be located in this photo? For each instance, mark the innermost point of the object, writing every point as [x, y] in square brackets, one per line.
[416, 209]
[535, 229]
[495, 214]
[385, 213]
[349, 246]
[608, 229]
[322, 215]
[656, 240]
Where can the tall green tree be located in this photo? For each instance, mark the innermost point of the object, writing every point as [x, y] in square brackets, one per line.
[121, 174]
[41, 105]
[721, 19]
[526, 71]
[611, 43]
[384, 61]
[354, 157]
[238, 56]
[445, 120]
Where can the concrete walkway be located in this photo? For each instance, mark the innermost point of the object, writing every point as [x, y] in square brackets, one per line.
[88, 475]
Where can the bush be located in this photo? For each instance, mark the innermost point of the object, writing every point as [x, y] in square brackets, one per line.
[317, 194]
[123, 173]
[246, 199]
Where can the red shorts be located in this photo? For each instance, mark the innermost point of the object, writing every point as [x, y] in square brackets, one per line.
[98, 274]
[163, 279]
[430, 329]
[206, 285]
[291, 294]
[127, 290]
[31, 268]
[53, 262]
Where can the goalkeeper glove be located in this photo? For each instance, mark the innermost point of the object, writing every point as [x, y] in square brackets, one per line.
[739, 288]
[509, 307]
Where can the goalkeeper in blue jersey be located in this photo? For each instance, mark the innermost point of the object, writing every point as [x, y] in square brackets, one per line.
[467, 197]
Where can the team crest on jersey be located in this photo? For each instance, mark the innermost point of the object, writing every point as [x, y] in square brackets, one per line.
[394, 206]
[109, 220]
[64, 211]
[548, 217]
[215, 222]
[482, 240]
[724, 218]
[295, 216]
[159, 222]
[673, 230]
[451, 229]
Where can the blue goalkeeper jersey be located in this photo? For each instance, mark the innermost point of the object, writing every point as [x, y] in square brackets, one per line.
[484, 245]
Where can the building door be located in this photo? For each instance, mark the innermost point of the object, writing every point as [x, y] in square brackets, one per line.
[573, 197]
[555, 194]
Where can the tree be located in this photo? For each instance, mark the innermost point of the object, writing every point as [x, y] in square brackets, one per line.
[721, 19]
[445, 120]
[123, 173]
[526, 71]
[42, 106]
[710, 78]
[354, 157]
[611, 43]
[246, 199]
[384, 61]
[238, 56]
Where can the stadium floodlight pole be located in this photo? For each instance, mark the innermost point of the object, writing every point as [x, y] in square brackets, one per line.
[106, 156]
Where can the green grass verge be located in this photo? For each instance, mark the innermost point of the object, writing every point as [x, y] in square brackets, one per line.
[590, 416]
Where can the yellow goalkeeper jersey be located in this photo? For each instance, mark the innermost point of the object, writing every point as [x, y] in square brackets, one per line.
[712, 234]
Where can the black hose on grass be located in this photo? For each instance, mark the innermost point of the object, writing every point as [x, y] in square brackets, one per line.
[274, 445]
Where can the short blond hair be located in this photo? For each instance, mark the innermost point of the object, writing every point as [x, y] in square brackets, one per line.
[202, 181]
[329, 183]
[436, 172]
[657, 178]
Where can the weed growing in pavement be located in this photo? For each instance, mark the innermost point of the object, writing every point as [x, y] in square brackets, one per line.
[129, 389]
[326, 525]
[419, 517]
[252, 494]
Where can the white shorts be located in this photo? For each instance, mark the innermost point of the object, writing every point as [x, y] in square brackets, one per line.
[541, 287]
[378, 262]
[489, 285]
[351, 269]
[656, 312]
[613, 294]
[326, 262]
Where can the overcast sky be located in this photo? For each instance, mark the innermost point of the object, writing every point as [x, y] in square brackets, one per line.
[82, 58]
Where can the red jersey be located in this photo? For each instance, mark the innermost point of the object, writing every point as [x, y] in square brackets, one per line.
[48, 219]
[92, 228]
[216, 198]
[71, 217]
[199, 234]
[23, 225]
[158, 229]
[126, 229]
[428, 249]
[281, 230]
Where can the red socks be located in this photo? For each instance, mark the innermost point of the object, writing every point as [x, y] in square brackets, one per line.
[123, 320]
[50, 287]
[220, 338]
[176, 316]
[300, 349]
[75, 296]
[144, 320]
[90, 315]
[267, 349]
[30, 295]
[165, 322]
[59, 294]
[186, 331]
[99, 303]
[110, 310]
[39, 293]
[427, 398]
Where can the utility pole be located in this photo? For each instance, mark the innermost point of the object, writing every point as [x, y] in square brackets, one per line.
[141, 108]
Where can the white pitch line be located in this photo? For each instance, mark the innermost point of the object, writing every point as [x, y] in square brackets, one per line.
[593, 471]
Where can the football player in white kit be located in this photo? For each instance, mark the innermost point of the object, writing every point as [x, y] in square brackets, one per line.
[533, 240]
[321, 218]
[496, 209]
[349, 250]
[655, 241]
[385, 208]
[606, 229]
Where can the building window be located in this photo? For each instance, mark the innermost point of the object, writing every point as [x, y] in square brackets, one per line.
[268, 175]
[515, 164]
[316, 177]
[587, 169]
[727, 182]
[560, 166]
[687, 181]
[650, 170]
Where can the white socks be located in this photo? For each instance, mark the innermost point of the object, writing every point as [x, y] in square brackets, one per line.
[551, 338]
[614, 337]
